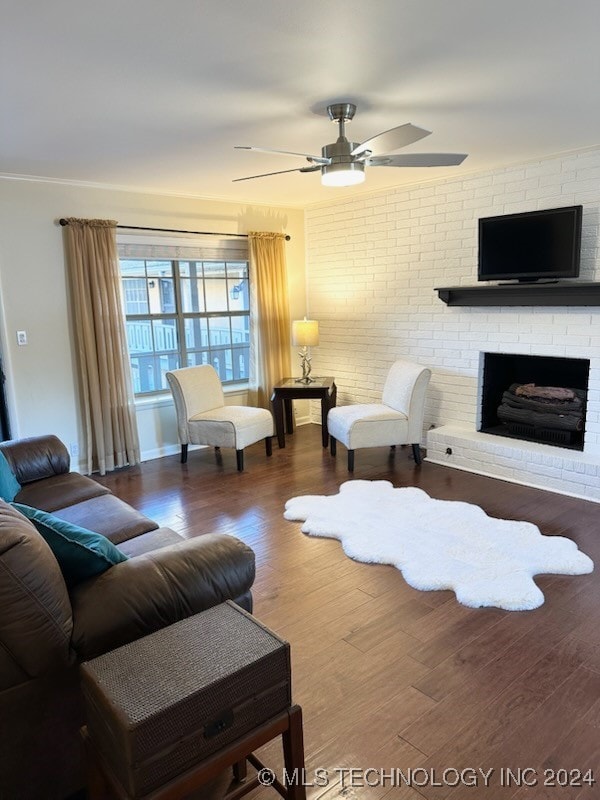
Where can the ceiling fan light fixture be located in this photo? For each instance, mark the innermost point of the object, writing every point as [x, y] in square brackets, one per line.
[342, 174]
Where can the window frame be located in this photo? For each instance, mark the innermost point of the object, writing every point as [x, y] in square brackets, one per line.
[184, 353]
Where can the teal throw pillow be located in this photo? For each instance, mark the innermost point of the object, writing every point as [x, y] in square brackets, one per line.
[81, 553]
[9, 485]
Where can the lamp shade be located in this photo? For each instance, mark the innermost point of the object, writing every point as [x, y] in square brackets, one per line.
[305, 332]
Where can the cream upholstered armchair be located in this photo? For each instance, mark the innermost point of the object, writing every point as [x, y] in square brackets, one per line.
[203, 417]
[398, 419]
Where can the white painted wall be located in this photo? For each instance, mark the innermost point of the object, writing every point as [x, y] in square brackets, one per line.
[373, 263]
[41, 377]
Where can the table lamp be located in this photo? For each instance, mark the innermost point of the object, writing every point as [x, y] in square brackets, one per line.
[305, 334]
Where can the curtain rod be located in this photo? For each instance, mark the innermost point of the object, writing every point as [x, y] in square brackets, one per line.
[64, 222]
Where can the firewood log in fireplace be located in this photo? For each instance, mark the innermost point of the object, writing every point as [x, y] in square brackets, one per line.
[575, 406]
[547, 394]
[553, 393]
[562, 422]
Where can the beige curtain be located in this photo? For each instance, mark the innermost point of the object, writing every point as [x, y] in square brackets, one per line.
[105, 379]
[269, 316]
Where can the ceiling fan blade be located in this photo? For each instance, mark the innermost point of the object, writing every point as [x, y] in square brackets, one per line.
[280, 172]
[393, 139]
[315, 159]
[417, 160]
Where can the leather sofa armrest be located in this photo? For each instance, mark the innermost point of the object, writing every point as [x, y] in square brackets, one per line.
[36, 458]
[153, 590]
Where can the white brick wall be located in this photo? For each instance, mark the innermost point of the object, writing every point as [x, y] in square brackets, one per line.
[372, 266]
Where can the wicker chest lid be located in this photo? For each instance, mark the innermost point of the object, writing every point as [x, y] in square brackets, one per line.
[147, 695]
[153, 673]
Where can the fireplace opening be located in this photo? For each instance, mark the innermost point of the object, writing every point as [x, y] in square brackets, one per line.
[535, 398]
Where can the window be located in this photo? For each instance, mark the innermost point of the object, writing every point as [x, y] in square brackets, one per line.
[182, 312]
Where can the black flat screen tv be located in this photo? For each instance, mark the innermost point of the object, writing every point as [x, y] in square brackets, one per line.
[530, 246]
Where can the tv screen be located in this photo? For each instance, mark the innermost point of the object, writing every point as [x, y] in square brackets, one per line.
[531, 245]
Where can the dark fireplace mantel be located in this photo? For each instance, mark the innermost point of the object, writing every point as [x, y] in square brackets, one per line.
[561, 293]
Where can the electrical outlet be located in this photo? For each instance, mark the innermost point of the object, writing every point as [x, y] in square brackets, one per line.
[21, 338]
[74, 448]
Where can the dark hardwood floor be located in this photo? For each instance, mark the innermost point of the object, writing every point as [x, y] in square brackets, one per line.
[390, 678]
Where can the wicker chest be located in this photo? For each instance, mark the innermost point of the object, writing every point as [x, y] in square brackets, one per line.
[160, 705]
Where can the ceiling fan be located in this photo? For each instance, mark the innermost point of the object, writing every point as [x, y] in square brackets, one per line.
[343, 163]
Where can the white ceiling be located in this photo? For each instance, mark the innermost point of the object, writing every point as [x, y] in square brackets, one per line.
[154, 96]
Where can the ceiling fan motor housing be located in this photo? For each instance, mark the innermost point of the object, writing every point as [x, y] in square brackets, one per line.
[342, 161]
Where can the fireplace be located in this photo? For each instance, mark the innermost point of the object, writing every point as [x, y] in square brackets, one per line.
[512, 407]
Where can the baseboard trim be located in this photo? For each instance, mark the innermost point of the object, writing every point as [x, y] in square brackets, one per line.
[497, 477]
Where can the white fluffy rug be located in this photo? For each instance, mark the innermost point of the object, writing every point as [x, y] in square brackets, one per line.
[440, 544]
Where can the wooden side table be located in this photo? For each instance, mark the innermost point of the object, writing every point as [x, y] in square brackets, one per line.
[102, 784]
[290, 389]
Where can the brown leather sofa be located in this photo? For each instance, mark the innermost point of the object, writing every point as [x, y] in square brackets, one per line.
[45, 631]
